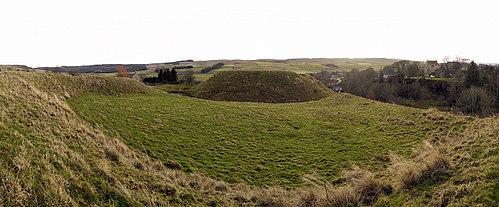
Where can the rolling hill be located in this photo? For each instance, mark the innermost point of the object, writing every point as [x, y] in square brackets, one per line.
[83, 141]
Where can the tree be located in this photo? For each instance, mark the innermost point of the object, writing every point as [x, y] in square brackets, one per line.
[414, 69]
[472, 75]
[166, 76]
[381, 77]
[475, 100]
[160, 75]
[122, 71]
[173, 76]
[490, 79]
[188, 77]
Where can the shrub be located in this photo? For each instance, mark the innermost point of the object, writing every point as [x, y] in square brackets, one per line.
[122, 71]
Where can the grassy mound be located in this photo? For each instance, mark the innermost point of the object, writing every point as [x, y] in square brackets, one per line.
[260, 86]
[68, 86]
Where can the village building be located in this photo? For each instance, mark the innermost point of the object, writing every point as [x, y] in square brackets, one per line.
[431, 67]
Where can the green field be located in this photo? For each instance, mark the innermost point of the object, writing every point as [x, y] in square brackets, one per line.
[256, 143]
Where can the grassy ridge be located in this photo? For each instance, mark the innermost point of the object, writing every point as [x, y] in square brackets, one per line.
[70, 86]
[261, 144]
[260, 86]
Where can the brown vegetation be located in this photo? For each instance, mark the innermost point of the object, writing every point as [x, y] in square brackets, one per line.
[122, 71]
[429, 165]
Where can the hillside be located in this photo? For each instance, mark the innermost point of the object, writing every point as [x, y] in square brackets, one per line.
[260, 86]
[117, 143]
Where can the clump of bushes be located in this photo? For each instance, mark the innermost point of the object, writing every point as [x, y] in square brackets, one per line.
[164, 76]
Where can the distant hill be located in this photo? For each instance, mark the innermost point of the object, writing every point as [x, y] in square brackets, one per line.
[302, 65]
[260, 86]
[205, 69]
[107, 68]
[15, 68]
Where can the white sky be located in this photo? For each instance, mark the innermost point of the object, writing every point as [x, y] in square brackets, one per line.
[76, 32]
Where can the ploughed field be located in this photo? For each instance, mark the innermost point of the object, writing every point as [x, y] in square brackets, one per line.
[260, 143]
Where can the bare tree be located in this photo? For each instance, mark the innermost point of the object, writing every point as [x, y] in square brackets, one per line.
[475, 100]
[188, 77]
[122, 71]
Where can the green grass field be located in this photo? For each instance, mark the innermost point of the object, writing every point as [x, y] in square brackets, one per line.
[174, 88]
[256, 143]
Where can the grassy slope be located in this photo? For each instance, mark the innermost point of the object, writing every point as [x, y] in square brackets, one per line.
[51, 157]
[474, 177]
[262, 144]
[260, 86]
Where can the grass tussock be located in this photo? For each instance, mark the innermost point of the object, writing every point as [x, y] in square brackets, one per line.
[359, 187]
[430, 165]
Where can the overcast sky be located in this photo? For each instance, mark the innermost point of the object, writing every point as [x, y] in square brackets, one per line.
[53, 32]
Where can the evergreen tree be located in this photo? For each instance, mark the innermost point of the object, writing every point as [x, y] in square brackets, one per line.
[160, 75]
[173, 76]
[472, 75]
[167, 75]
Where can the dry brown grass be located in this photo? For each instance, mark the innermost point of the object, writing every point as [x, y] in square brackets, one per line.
[430, 164]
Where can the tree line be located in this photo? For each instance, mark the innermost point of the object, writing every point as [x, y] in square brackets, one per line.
[164, 76]
[463, 86]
